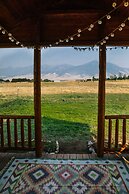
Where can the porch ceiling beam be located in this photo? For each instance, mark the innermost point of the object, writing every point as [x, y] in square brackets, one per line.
[77, 43]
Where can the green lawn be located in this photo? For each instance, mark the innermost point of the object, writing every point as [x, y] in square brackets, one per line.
[66, 117]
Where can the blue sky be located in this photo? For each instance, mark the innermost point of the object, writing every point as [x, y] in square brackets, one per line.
[66, 55]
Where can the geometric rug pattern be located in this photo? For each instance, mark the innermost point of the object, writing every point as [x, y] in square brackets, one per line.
[35, 176]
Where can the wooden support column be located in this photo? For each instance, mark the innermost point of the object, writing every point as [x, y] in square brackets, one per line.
[37, 101]
[101, 101]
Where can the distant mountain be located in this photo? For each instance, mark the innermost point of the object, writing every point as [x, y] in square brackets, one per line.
[59, 69]
[63, 71]
[87, 69]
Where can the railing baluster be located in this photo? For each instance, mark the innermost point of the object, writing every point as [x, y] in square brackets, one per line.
[22, 133]
[2, 133]
[12, 140]
[29, 133]
[124, 132]
[109, 133]
[8, 133]
[116, 133]
[15, 133]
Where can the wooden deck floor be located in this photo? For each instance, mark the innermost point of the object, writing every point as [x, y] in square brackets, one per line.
[6, 156]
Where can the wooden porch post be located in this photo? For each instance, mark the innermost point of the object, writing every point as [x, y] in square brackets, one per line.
[37, 101]
[101, 101]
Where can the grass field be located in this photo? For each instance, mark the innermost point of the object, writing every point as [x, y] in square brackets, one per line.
[69, 110]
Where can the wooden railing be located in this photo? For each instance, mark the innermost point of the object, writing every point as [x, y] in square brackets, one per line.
[116, 132]
[17, 132]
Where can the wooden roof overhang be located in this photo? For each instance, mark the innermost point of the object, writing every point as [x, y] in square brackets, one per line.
[44, 23]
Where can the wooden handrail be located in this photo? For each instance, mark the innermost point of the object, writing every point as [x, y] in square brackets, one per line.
[117, 117]
[16, 117]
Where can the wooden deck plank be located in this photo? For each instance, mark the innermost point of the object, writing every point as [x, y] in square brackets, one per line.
[6, 156]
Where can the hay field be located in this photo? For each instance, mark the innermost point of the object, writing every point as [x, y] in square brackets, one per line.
[26, 89]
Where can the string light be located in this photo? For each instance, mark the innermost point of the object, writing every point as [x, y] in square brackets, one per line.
[71, 38]
[108, 17]
[78, 35]
[17, 42]
[3, 31]
[10, 36]
[114, 4]
[89, 29]
[120, 29]
[112, 34]
[126, 3]
[106, 38]
[123, 25]
[91, 26]
[99, 22]
[79, 31]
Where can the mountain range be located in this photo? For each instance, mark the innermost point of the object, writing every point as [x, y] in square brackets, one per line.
[58, 72]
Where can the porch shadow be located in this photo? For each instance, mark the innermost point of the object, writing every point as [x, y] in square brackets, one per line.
[71, 136]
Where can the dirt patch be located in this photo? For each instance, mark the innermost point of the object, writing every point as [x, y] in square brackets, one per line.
[74, 147]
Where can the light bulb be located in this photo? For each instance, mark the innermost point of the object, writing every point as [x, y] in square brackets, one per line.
[106, 37]
[9, 34]
[0, 28]
[79, 30]
[17, 43]
[99, 22]
[89, 29]
[67, 40]
[123, 25]
[108, 17]
[12, 40]
[71, 38]
[126, 3]
[128, 18]
[104, 41]
[112, 35]
[120, 29]
[57, 43]
[3, 31]
[92, 26]
[101, 43]
[114, 4]
[60, 40]
[78, 35]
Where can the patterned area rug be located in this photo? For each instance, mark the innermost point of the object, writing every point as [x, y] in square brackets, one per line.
[35, 176]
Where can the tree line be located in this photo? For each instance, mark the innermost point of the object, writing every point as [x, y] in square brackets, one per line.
[24, 80]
